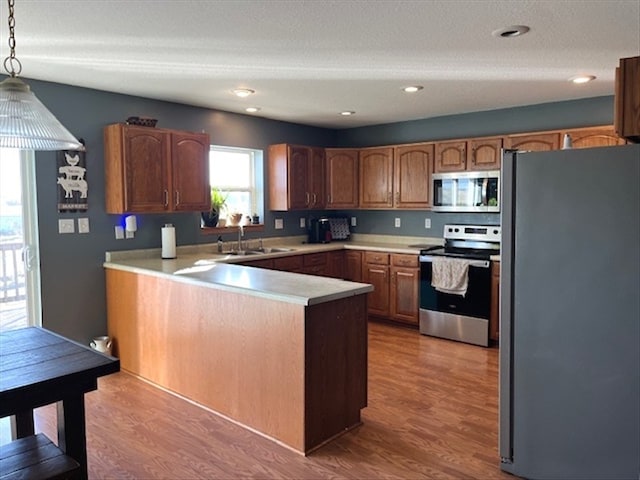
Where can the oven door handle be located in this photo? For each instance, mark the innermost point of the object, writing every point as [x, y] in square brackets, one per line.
[472, 263]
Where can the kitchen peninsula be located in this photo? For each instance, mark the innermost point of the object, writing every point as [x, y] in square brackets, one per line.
[283, 354]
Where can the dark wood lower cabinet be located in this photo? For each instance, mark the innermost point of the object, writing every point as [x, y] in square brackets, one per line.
[404, 294]
[335, 264]
[378, 276]
[395, 277]
[405, 288]
[315, 264]
[263, 263]
[353, 265]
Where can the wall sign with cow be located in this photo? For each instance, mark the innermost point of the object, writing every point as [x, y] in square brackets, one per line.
[72, 183]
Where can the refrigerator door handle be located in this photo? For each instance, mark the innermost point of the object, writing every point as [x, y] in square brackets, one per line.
[507, 243]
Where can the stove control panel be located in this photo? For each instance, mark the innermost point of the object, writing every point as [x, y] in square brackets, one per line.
[485, 233]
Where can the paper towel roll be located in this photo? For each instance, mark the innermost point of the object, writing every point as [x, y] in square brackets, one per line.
[168, 241]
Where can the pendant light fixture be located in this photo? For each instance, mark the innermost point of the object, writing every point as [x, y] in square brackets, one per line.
[25, 123]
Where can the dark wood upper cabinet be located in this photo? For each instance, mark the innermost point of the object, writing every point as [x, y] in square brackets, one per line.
[627, 99]
[150, 170]
[376, 177]
[539, 142]
[341, 178]
[451, 156]
[484, 153]
[412, 167]
[594, 137]
[295, 177]
[190, 168]
[468, 155]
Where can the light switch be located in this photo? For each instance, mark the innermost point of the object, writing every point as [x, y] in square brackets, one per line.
[83, 225]
[427, 223]
[119, 232]
[303, 222]
[353, 221]
[279, 224]
[66, 225]
[397, 223]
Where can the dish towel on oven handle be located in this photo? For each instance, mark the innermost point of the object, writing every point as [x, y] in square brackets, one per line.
[450, 275]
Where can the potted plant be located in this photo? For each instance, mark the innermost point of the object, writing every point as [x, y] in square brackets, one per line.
[218, 203]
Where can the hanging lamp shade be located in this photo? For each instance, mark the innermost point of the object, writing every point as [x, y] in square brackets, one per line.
[25, 123]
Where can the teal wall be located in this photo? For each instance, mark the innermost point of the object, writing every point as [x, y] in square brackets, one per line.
[548, 116]
[73, 285]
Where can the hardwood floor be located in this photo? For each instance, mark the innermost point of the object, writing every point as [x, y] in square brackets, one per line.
[433, 413]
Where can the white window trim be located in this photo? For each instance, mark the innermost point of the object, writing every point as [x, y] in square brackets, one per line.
[253, 190]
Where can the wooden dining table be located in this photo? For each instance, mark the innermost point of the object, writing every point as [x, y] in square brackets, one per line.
[39, 367]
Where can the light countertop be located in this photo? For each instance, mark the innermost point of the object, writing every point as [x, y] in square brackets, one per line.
[201, 265]
[282, 286]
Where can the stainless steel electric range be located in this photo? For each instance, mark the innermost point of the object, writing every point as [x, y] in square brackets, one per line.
[464, 315]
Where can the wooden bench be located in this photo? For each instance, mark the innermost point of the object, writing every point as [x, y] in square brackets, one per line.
[36, 458]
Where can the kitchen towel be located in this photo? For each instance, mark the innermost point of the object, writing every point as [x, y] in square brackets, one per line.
[450, 275]
[168, 241]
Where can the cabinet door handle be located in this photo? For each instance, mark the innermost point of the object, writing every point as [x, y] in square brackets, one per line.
[307, 199]
[177, 198]
[329, 198]
[166, 198]
[315, 198]
[473, 156]
[397, 198]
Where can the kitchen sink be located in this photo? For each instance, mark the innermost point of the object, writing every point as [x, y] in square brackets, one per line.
[277, 250]
[262, 251]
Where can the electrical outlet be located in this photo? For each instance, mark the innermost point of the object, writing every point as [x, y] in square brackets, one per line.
[303, 222]
[66, 225]
[83, 225]
[119, 232]
[397, 223]
[279, 224]
[353, 221]
[427, 223]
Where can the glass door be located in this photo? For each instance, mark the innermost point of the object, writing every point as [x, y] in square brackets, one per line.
[20, 304]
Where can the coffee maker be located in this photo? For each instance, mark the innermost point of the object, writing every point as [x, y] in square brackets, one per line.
[319, 230]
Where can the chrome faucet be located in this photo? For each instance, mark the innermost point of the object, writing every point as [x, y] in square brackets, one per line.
[240, 235]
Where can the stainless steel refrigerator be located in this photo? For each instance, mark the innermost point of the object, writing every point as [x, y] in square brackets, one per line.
[570, 314]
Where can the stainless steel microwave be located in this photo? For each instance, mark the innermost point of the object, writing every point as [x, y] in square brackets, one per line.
[466, 191]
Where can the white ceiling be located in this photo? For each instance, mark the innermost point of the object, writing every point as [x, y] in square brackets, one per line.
[308, 60]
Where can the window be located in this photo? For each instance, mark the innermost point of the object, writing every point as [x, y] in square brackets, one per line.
[237, 172]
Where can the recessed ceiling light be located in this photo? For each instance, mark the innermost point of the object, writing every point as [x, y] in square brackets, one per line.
[582, 78]
[346, 113]
[243, 92]
[252, 109]
[412, 88]
[511, 31]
